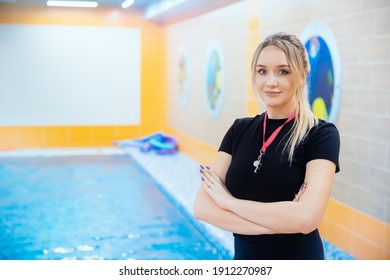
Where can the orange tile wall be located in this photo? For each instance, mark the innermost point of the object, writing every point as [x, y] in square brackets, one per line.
[153, 82]
[357, 233]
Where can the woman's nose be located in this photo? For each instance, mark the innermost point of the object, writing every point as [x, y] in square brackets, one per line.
[272, 81]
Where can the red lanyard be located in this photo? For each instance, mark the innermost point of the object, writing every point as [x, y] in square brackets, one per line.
[257, 163]
[274, 134]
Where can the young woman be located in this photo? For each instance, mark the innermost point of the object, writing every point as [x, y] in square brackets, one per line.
[271, 179]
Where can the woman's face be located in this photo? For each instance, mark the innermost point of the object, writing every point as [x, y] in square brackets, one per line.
[274, 81]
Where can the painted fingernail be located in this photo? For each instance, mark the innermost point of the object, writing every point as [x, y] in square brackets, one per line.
[201, 171]
[202, 178]
[207, 167]
[201, 166]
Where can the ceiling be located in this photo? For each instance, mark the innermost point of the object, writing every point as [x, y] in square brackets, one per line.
[184, 9]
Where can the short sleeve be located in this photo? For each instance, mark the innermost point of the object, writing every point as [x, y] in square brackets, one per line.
[227, 141]
[324, 143]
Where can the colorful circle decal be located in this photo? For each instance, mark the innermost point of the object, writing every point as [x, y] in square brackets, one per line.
[183, 78]
[325, 71]
[215, 79]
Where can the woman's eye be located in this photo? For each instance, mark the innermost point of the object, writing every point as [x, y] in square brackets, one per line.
[261, 71]
[283, 72]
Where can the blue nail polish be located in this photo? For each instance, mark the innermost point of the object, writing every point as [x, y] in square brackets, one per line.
[201, 171]
[201, 166]
[207, 167]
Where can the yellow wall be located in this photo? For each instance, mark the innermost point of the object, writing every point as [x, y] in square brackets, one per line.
[153, 82]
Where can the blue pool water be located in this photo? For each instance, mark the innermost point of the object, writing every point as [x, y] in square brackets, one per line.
[92, 207]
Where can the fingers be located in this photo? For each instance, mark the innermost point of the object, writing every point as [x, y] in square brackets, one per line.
[206, 181]
[208, 171]
[206, 178]
[209, 175]
[300, 192]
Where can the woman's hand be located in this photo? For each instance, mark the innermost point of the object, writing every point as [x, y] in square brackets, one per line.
[300, 192]
[217, 190]
[215, 187]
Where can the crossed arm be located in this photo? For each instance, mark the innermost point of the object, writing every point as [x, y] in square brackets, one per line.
[215, 205]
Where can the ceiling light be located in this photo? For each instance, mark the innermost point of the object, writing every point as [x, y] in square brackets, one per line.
[127, 3]
[161, 7]
[78, 4]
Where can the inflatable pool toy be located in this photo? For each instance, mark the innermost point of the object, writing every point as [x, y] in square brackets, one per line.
[162, 144]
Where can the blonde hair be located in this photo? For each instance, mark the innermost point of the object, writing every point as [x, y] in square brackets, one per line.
[299, 64]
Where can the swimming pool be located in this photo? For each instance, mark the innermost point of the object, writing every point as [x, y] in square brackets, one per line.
[115, 219]
[92, 207]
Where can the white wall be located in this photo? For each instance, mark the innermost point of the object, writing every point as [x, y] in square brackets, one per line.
[69, 75]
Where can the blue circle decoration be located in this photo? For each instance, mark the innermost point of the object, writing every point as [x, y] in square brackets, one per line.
[324, 78]
[214, 80]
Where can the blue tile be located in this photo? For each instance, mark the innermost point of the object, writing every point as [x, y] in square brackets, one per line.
[332, 252]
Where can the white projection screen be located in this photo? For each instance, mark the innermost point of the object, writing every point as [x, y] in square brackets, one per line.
[69, 75]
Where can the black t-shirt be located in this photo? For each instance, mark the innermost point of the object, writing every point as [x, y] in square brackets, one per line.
[277, 179]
